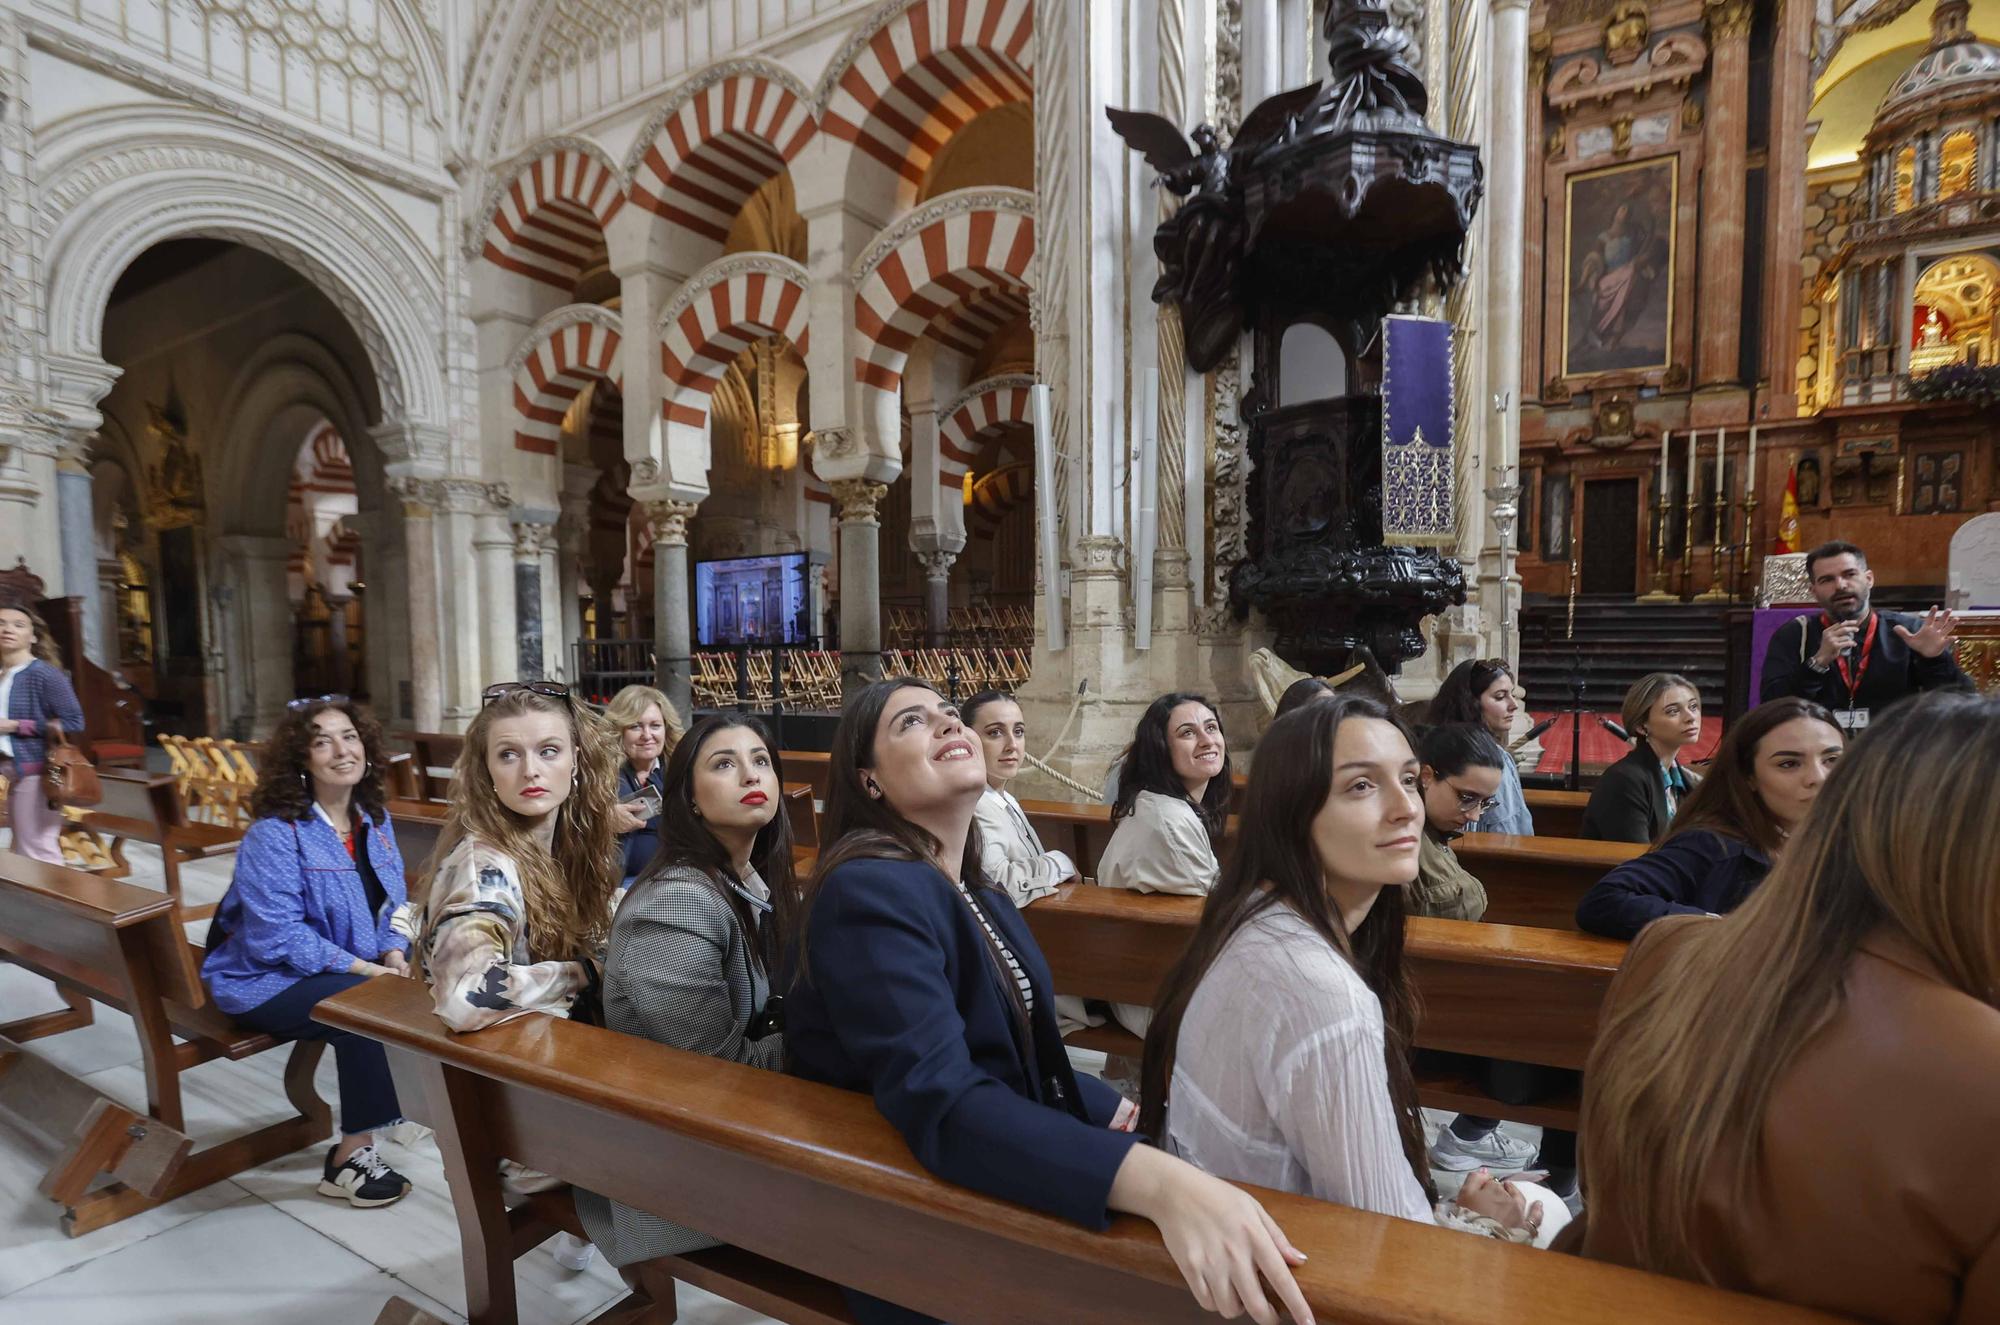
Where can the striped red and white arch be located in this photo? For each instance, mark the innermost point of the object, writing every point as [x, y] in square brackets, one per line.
[981, 411]
[722, 309]
[962, 247]
[925, 72]
[550, 220]
[567, 350]
[718, 141]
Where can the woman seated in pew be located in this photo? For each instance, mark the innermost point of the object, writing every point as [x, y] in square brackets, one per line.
[1481, 691]
[916, 980]
[309, 912]
[1012, 856]
[648, 729]
[1280, 1051]
[1637, 797]
[694, 946]
[1760, 784]
[1172, 807]
[1820, 1142]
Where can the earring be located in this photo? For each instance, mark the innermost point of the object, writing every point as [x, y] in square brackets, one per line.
[306, 783]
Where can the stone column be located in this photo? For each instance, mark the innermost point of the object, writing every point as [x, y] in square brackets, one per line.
[76, 524]
[1784, 207]
[937, 594]
[573, 547]
[860, 581]
[336, 642]
[493, 556]
[1720, 306]
[531, 540]
[1504, 254]
[420, 590]
[673, 619]
[256, 639]
[28, 523]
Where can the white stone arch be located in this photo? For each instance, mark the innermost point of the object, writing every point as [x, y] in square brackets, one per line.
[108, 199]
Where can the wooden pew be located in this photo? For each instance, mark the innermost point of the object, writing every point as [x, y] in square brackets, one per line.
[805, 819]
[1537, 881]
[802, 1179]
[1078, 829]
[1557, 813]
[1498, 991]
[809, 766]
[111, 943]
[417, 825]
[434, 751]
[146, 807]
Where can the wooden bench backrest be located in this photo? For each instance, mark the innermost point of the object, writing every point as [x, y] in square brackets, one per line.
[1557, 813]
[108, 936]
[1537, 881]
[805, 818]
[1526, 995]
[417, 825]
[815, 1178]
[134, 794]
[809, 766]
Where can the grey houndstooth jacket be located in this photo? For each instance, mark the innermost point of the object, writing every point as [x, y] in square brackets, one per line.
[679, 970]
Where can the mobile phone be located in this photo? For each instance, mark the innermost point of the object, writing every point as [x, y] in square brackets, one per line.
[649, 796]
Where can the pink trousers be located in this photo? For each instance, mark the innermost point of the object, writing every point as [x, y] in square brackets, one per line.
[37, 828]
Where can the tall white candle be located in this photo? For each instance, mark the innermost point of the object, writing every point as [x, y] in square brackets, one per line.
[1750, 467]
[1720, 434]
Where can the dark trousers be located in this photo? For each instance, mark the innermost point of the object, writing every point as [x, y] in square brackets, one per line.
[367, 1094]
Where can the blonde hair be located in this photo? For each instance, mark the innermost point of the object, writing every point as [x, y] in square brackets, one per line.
[630, 704]
[44, 644]
[1900, 837]
[1645, 693]
[567, 888]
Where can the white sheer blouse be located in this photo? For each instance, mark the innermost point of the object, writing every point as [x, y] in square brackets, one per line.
[1280, 1078]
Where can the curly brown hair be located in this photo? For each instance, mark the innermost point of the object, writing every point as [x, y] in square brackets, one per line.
[283, 781]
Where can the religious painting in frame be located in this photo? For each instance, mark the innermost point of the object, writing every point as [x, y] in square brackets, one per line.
[1618, 268]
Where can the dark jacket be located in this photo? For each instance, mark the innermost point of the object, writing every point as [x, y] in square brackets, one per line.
[642, 842]
[1692, 873]
[902, 1000]
[1629, 803]
[1894, 670]
[42, 694]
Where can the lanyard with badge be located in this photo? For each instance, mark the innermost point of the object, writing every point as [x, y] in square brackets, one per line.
[1852, 719]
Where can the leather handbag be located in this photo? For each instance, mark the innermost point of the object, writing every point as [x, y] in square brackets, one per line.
[68, 777]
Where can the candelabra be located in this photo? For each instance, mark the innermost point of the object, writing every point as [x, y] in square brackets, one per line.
[1687, 530]
[1659, 593]
[1718, 587]
[1749, 539]
[1505, 493]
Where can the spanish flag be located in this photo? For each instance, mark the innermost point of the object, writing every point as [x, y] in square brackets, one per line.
[1788, 517]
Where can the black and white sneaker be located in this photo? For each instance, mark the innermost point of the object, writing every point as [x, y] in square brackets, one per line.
[364, 1180]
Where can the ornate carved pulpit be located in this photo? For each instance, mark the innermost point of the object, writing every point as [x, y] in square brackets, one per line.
[1333, 206]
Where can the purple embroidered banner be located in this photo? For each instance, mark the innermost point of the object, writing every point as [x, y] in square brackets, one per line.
[1417, 473]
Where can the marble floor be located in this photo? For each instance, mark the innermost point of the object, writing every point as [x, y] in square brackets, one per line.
[262, 1247]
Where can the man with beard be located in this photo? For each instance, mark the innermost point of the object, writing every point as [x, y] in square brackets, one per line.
[1850, 658]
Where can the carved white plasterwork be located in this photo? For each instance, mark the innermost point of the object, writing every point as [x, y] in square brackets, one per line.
[368, 76]
[569, 315]
[956, 203]
[864, 32]
[194, 177]
[20, 311]
[715, 273]
[501, 177]
[750, 67]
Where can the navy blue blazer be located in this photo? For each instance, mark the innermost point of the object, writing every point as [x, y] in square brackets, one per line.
[643, 841]
[1693, 873]
[901, 999]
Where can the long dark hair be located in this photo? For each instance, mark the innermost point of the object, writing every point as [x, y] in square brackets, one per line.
[863, 827]
[685, 839]
[1457, 699]
[1275, 864]
[1149, 766]
[1450, 749]
[283, 790]
[1726, 802]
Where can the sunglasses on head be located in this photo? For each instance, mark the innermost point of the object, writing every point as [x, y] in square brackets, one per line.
[301, 705]
[500, 690]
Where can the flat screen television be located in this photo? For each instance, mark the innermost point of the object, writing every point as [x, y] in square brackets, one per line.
[755, 600]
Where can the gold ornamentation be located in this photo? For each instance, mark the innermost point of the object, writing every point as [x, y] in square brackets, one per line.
[1621, 136]
[1728, 20]
[1691, 116]
[1626, 31]
[176, 480]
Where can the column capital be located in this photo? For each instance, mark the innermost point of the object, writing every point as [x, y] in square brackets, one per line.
[532, 538]
[937, 565]
[1728, 20]
[857, 499]
[667, 521]
[419, 496]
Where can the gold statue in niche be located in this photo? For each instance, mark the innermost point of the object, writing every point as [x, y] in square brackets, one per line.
[175, 500]
[1625, 32]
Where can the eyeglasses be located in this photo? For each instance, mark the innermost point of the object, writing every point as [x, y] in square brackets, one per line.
[301, 705]
[1470, 800]
[500, 690]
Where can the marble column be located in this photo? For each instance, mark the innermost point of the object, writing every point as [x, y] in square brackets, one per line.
[342, 678]
[673, 617]
[493, 559]
[860, 581]
[76, 525]
[937, 595]
[1504, 253]
[1720, 300]
[256, 639]
[420, 592]
[1784, 207]
[573, 548]
[531, 540]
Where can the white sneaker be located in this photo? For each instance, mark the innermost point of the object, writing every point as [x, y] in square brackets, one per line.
[1496, 1150]
[572, 1252]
